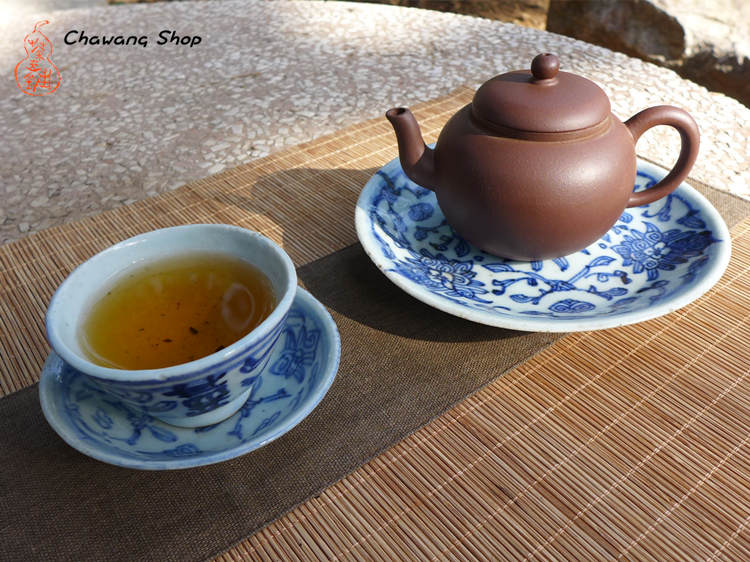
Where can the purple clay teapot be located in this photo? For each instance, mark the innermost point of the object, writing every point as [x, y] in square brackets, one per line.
[537, 166]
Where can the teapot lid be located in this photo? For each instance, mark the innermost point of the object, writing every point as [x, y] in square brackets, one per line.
[543, 100]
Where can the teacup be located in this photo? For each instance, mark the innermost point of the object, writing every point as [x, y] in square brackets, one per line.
[201, 392]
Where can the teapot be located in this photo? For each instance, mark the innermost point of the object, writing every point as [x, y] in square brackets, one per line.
[537, 166]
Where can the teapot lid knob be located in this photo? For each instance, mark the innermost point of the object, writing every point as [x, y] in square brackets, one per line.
[545, 66]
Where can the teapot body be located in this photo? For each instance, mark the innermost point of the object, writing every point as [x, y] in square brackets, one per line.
[537, 166]
[533, 198]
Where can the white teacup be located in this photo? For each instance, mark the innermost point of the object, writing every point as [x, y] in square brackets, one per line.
[194, 394]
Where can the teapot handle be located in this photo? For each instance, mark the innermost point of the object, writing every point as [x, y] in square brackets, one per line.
[688, 129]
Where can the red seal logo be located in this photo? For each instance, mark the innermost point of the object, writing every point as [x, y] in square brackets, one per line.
[36, 74]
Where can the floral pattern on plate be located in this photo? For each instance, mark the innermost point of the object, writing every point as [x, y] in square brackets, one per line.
[656, 258]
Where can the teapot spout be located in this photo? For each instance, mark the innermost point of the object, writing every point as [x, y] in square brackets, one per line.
[417, 159]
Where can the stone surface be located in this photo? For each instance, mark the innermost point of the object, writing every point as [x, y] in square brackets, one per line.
[532, 13]
[17, 8]
[130, 122]
[707, 41]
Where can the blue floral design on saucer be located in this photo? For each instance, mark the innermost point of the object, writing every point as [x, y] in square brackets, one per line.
[655, 259]
[299, 372]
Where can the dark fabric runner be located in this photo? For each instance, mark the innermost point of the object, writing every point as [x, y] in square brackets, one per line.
[402, 364]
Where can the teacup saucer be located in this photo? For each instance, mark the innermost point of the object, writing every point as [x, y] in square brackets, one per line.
[300, 370]
[655, 259]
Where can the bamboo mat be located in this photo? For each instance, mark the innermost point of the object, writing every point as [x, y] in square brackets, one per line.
[625, 443]
[629, 443]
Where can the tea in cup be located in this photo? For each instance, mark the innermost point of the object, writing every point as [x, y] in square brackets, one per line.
[178, 323]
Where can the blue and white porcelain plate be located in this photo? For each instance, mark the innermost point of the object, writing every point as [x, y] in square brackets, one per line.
[302, 367]
[655, 259]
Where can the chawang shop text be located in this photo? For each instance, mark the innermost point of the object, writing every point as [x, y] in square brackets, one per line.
[165, 37]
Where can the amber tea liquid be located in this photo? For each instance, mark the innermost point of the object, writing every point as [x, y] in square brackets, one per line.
[174, 311]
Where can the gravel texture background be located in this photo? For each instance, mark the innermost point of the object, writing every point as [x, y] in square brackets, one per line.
[129, 122]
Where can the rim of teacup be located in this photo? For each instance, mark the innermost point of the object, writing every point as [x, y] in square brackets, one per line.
[184, 370]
